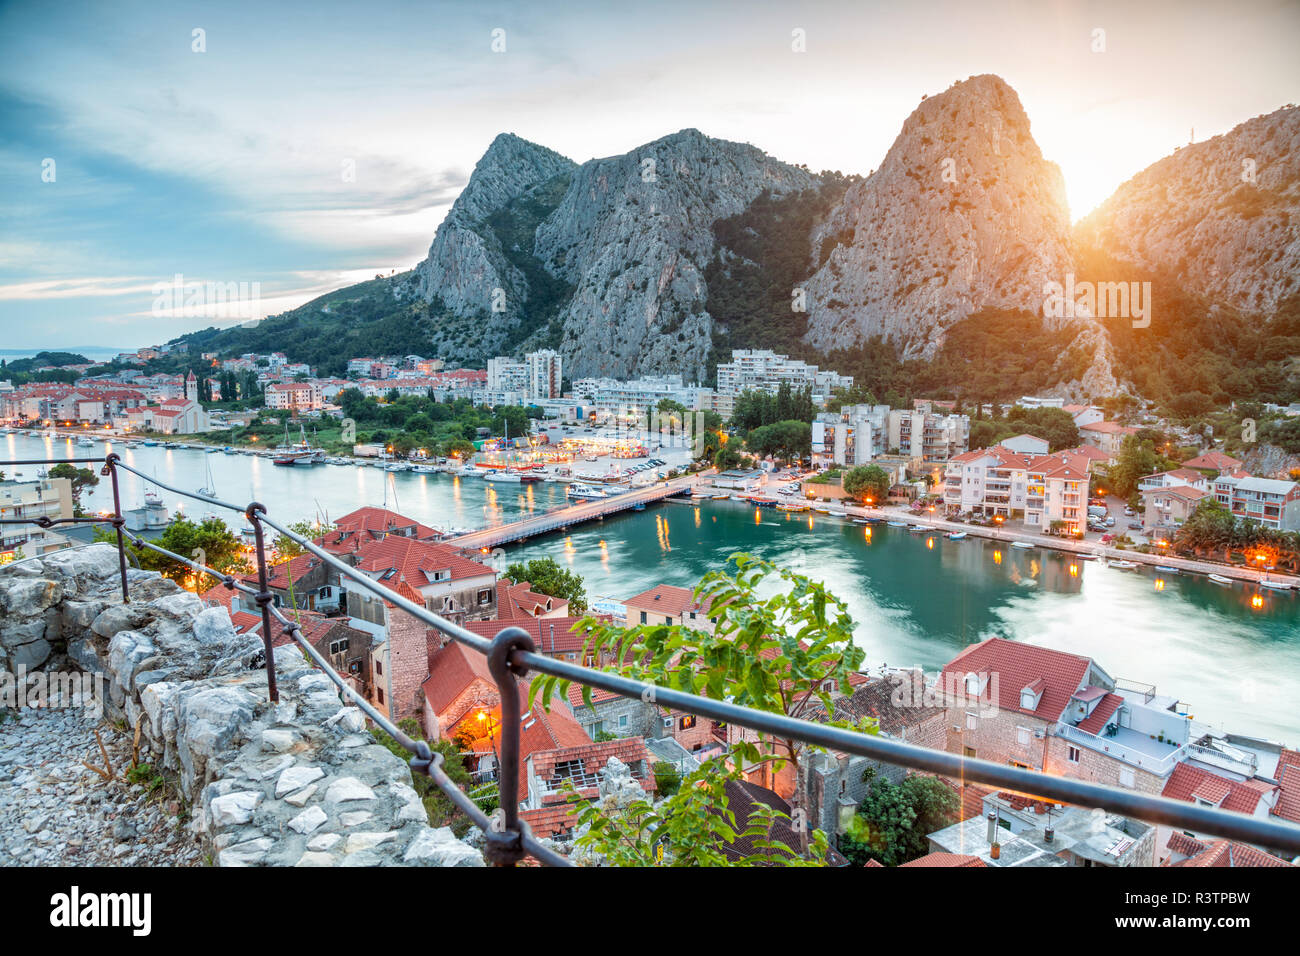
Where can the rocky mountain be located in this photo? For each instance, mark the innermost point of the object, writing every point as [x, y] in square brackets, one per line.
[964, 215]
[1221, 217]
[633, 235]
[604, 260]
[470, 270]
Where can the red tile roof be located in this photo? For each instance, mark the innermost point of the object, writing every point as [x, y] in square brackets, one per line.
[551, 635]
[1213, 460]
[592, 758]
[1288, 798]
[380, 520]
[551, 821]
[451, 671]
[1095, 721]
[665, 598]
[1188, 782]
[1017, 666]
[520, 601]
[1226, 853]
[416, 562]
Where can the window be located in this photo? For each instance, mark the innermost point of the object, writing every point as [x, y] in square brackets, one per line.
[972, 721]
[338, 647]
[379, 667]
[968, 751]
[1126, 778]
[668, 621]
[1022, 736]
[687, 722]
[622, 720]
[484, 596]
[643, 617]
[379, 691]
[1072, 754]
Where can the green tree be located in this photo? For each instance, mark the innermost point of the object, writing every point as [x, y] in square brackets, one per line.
[545, 576]
[81, 478]
[894, 821]
[1136, 459]
[867, 482]
[694, 827]
[208, 542]
[781, 652]
[286, 548]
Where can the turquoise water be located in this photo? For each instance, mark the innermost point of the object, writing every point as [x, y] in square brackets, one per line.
[917, 599]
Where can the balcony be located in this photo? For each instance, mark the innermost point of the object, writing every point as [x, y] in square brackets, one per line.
[1132, 748]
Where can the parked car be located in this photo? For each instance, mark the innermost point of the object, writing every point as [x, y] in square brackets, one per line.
[1110, 521]
[1135, 525]
[1128, 512]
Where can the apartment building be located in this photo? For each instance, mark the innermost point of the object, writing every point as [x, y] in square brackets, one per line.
[607, 396]
[928, 436]
[48, 498]
[294, 396]
[1270, 501]
[854, 435]
[1108, 436]
[1062, 714]
[507, 375]
[545, 373]
[999, 481]
[1165, 508]
[765, 370]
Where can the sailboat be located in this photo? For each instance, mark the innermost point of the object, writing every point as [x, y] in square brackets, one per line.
[301, 452]
[209, 490]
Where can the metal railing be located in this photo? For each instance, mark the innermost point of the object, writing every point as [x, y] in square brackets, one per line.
[511, 655]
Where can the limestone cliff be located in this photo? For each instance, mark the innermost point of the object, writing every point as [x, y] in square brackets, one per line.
[1221, 217]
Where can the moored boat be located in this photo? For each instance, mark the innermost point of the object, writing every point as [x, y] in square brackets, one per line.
[1023, 545]
[1219, 579]
[956, 535]
[1123, 565]
[1275, 585]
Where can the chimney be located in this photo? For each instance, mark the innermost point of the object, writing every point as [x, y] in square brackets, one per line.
[552, 638]
[993, 827]
[1048, 834]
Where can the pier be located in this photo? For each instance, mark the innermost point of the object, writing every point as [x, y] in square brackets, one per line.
[563, 518]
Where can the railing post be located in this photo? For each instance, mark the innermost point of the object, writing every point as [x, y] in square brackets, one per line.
[110, 469]
[504, 846]
[263, 597]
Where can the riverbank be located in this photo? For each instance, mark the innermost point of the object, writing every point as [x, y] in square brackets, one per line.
[1089, 550]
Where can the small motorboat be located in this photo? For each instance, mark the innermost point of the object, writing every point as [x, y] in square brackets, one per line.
[836, 513]
[862, 521]
[1219, 579]
[1275, 585]
[505, 476]
[1166, 569]
[791, 506]
[721, 497]
[1123, 565]
[897, 524]
[763, 502]
[1024, 545]
[917, 528]
[956, 535]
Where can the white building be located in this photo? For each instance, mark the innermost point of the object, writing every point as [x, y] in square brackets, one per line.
[852, 436]
[48, 498]
[928, 436]
[507, 375]
[999, 481]
[545, 370]
[765, 370]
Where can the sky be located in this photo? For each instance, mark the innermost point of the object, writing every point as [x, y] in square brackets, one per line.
[128, 155]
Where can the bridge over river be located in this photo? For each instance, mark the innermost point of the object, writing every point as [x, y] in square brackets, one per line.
[563, 518]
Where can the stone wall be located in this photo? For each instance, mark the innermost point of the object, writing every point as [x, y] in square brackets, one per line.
[296, 783]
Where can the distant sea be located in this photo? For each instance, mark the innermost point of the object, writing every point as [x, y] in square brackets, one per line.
[95, 353]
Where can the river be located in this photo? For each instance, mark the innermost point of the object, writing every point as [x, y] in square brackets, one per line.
[917, 598]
